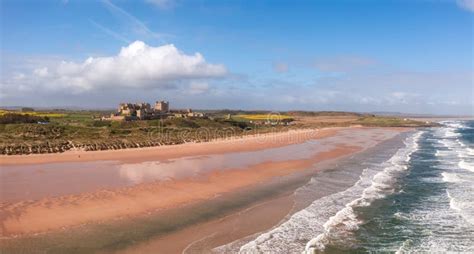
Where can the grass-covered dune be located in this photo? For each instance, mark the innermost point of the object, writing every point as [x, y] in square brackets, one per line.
[59, 131]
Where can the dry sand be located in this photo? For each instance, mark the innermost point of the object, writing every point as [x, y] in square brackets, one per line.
[235, 144]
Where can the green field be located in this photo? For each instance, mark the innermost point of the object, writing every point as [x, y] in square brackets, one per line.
[34, 113]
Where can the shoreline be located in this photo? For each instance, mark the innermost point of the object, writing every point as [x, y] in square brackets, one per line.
[242, 225]
[71, 212]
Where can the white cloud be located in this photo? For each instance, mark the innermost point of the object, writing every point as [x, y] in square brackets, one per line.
[466, 4]
[41, 72]
[136, 66]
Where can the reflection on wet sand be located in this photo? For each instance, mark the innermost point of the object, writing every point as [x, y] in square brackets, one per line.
[191, 167]
[104, 190]
[27, 182]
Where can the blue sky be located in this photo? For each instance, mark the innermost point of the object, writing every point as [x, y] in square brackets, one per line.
[405, 56]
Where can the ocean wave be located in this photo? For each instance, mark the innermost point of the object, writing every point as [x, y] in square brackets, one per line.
[346, 221]
[443, 153]
[450, 133]
[466, 165]
[470, 151]
[300, 228]
[439, 224]
[292, 235]
[406, 246]
[457, 160]
[454, 124]
[334, 219]
[463, 206]
[401, 216]
[451, 177]
[455, 152]
[449, 144]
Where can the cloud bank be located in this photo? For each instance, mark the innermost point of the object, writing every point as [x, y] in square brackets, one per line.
[135, 66]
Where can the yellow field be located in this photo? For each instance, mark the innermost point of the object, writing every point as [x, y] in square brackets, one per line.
[264, 117]
[33, 113]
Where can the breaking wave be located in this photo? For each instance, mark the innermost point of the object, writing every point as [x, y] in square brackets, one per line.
[345, 221]
[419, 200]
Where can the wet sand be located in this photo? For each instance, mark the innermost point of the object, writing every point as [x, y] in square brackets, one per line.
[54, 211]
[58, 212]
[206, 236]
[26, 181]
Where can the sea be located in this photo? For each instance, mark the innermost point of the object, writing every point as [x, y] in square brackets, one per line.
[412, 194]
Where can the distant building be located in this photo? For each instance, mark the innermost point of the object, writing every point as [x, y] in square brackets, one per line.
[162, 106]
[139, 111]
[144, 111]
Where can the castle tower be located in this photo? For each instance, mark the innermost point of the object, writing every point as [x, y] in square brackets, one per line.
[162, 106]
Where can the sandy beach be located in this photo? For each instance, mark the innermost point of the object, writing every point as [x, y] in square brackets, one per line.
[232, 144]
[152, 181]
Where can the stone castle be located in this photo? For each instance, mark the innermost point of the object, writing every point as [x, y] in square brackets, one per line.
[140, 111]
[144, 111]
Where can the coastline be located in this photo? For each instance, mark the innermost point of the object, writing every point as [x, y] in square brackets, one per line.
[247, 223]
[59, 214]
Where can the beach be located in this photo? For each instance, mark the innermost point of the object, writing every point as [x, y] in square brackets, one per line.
[195, 196]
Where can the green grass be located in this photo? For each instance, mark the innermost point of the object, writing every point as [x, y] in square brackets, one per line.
[379, 121]
[83, 128]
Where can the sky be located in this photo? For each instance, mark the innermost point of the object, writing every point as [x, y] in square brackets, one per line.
[410, 56]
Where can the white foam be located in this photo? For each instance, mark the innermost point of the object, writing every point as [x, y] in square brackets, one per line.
[459, 174]
[450, 133]
[454, 124]
[401, 216]
[465, 207]
[447, 143]
[455, 148]
[451, 177]
[346, 221]
[440, 153]
[301, 227]
[470, 151]
[405, 247]
[466, 165]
